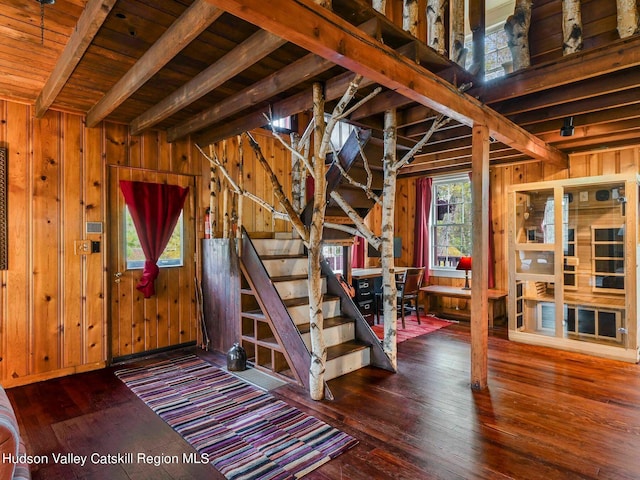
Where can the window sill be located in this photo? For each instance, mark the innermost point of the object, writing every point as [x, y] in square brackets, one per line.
[446, 272]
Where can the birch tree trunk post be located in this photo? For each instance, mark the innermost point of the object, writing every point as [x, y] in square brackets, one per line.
[627, 17]
[225, 195]
[214, 186]
[435, 25]
[240, 197]
[571, 27]
[410, 16]
[517, 29]
[389, 289]
[296, 177]
[316, 320]
[380, 6]
[457, 50]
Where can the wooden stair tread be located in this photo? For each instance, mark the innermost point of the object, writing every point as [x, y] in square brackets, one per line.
[281, 257]
[288, 278]
[328, 323]
[345, 348]
[295, 302]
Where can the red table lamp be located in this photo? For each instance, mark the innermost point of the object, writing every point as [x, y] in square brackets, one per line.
[465, 264]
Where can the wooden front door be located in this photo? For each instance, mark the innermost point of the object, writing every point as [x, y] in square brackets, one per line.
[168, 318]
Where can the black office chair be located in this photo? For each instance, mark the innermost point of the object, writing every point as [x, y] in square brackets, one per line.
[409, 291]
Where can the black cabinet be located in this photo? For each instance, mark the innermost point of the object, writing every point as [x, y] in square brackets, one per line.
[365, 298]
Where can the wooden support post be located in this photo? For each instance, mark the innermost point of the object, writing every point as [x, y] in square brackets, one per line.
[480, 255]
[240, 196]
[476, 22]
[226, 222]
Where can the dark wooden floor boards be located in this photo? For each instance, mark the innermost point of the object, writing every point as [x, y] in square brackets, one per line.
[546, 415]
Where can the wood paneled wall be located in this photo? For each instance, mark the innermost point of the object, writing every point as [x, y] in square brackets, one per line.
[255, 218]
[53, 310]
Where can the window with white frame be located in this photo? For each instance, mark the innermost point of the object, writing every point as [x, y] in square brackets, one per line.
[450, 221]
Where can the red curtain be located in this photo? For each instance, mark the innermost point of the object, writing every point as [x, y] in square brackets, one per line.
[491, 282]
[155, 209]
[421, 243]
[357, 252]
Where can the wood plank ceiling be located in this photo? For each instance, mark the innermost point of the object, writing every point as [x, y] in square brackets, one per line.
[191, 68]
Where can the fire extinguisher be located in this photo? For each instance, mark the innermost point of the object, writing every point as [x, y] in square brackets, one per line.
[207, 225]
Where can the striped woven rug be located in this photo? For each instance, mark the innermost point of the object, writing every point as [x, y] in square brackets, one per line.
[246, 432]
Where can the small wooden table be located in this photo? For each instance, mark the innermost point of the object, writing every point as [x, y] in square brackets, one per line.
[434, 291]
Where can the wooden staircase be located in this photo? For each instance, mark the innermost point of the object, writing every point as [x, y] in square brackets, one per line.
[275, 315]
[274, 294]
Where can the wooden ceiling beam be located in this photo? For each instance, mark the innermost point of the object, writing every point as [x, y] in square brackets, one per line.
[590, 119]
[462, 161]
[307, 67]
[334, 89]
[584, 90]
[288, 77]
[579, 107]
[594, 131]
[606, 140]
[320, 31]
[183, 31]
[252, 50]
[90, 21]
[579, 66]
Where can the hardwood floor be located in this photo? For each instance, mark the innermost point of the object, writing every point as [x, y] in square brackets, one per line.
[546, 415]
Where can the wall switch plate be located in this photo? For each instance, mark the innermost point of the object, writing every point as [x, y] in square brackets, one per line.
[584, 196]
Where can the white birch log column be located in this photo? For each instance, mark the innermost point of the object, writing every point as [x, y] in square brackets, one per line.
[457, 51]
[380, 6]
[226, 221]
[240, 197]
[389, 296]
[316, 320]
[627, 16]
[214, 188]
[517, 28]
[480, 255]
[435, 25]
[410, 16]
[571, 27]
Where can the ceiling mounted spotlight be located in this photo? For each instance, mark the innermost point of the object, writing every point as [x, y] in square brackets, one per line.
[567, 127]
[42, 4]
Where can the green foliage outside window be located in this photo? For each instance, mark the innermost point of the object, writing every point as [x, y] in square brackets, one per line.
[172, 255]
[451, 222]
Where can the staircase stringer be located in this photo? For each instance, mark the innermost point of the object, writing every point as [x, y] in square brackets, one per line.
[276, 314]
[363, 331]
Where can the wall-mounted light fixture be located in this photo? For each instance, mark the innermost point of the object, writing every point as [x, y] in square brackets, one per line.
[567, 127]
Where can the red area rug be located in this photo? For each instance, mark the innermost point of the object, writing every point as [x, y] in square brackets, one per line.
[428, 324]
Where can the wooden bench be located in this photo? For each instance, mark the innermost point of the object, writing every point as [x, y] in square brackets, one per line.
[434, 291]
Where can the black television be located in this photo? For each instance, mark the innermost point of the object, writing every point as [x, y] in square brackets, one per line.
[397, 249]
